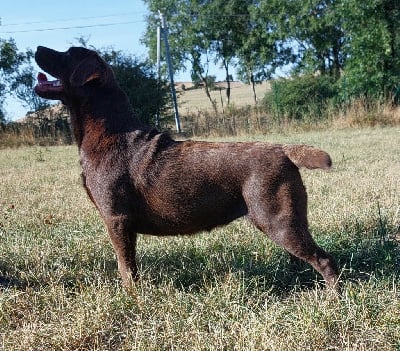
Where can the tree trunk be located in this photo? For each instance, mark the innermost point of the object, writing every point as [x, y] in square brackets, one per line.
[207, 91]
[228, 82]
[253, 87]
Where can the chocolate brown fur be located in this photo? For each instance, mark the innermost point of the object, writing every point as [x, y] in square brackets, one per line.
[143, 181]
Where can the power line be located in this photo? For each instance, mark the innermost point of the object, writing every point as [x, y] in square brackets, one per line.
[89, 26]
[70, 27]
[70, 19]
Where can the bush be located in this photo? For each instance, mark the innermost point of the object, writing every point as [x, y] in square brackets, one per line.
[210, 80]
[139, 82]
[43, 131]
[300, 97]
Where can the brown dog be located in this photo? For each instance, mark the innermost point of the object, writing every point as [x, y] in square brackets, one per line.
[142, 181]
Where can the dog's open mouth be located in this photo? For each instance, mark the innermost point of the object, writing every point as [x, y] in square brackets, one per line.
[45, 85]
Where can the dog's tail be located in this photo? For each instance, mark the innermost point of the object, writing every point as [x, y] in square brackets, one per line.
[307, 156]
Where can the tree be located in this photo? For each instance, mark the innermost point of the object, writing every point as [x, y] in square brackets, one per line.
[187, 38]
[352, 40]
[320, 37]
[372, 46]
[309, 34]
[227, 22]
[201, 31]
[18, 77]
[139, 82]
[258, 36]
[260, 49]
[10, 60]
[22, 87]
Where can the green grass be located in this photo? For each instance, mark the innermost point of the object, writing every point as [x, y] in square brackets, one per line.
[231, 289]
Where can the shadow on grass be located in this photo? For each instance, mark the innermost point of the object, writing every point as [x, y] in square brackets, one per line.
[8, 282]
[73, 275]
[361, 252]
[194, 270]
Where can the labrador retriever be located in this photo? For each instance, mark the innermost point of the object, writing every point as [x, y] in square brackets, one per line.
[144, 181]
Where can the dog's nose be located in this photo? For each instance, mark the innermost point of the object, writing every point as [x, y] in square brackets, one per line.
[42, 51]
[39, 48]
[37, 53]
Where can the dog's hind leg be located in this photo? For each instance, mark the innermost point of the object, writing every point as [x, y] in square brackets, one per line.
[124, 243]
[283, 217]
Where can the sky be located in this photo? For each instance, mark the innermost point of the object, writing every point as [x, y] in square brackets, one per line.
[57, 24]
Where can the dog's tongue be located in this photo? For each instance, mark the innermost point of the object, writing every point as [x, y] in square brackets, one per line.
[41, 77]
[44, 83]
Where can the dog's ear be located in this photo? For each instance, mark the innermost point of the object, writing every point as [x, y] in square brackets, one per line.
[88, 70]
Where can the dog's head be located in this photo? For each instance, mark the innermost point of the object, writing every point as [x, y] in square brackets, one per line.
[76, 71]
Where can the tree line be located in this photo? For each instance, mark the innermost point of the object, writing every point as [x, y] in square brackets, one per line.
[354, 42]
[333, 49]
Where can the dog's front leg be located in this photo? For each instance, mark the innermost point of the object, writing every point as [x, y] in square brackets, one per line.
[123, 239]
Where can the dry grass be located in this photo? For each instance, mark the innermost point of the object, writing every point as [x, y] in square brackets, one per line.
[361, 113]
[243, 118]
[194, 100]
[231, 289]
[198, 119]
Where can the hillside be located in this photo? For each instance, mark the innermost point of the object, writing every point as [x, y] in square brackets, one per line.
[190, 99]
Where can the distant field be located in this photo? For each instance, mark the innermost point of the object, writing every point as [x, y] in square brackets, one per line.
[191, 100]
[231, 289]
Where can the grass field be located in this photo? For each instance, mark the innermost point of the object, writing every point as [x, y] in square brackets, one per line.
[192, 100]
[231, 289]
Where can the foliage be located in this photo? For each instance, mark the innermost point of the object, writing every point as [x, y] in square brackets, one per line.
[222, 38]
[10, 60]
[23, 89]
[372, 47]
[137, 79]
[315, 29]
[355, 42]
[300, 97]
[198, 30]
[353, 39]
[146, 95]
[258, 51]
[18, 77]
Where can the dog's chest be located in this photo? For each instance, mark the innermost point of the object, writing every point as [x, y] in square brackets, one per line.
[101, 175]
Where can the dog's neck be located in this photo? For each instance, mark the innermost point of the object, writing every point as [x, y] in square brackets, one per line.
[103, 119]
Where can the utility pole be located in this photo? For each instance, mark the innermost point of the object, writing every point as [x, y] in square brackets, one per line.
[158, 72]
[164, 30]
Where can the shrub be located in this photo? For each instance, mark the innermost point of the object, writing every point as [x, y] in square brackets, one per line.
[139, 82]
[300, 97]
[44, 131]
